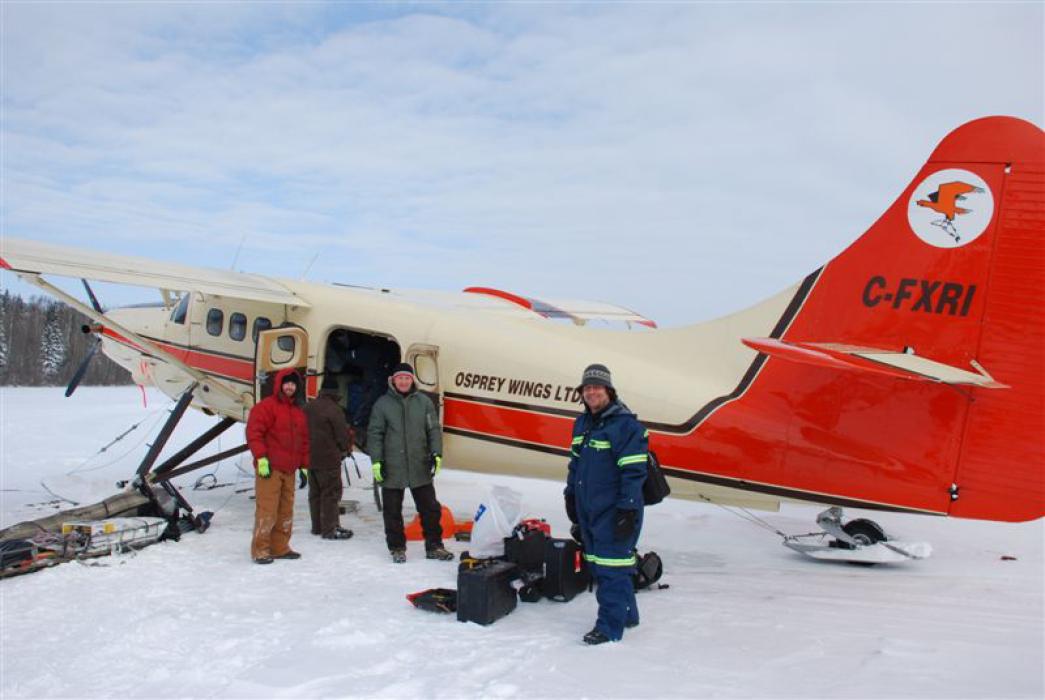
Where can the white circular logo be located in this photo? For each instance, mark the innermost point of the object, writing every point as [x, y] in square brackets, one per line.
[950, 208]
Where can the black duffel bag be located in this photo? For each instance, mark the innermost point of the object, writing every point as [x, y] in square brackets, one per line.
[655, 489]
[648, 570]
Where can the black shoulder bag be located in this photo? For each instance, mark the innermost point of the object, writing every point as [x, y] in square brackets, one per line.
[655, 489]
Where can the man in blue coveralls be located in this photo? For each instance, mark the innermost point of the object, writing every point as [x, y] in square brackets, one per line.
[604, 498]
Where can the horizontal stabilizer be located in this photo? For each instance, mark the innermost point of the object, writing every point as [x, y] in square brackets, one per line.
[904, 365]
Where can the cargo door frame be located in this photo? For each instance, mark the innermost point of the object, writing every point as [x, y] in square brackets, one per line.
[424, 358]
[272, 354]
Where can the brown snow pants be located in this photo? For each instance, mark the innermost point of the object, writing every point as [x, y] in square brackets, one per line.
[273, 514]
[324, 499]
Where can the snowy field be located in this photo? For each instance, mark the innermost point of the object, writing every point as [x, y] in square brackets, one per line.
[743, 617]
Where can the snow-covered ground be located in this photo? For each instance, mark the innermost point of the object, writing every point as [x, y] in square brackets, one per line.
[743, 617]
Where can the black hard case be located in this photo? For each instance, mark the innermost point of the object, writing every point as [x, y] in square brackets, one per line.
[527, 550]
[565, 572]
[485, 593]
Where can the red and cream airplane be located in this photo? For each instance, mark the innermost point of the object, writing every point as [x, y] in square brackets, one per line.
[906, 374]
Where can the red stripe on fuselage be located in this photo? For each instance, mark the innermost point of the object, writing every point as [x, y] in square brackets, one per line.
[533, 426]
[732, 459]
[121, 339]
[242, 370]
[220, 365]
[515, 424]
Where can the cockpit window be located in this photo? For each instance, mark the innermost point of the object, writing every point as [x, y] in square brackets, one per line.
[181, 310]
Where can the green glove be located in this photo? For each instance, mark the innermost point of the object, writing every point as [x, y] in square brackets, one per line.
[263, 468]
[437, 464]
[377, 473]
[302, 478]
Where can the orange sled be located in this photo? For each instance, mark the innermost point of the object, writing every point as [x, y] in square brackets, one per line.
[450, 526]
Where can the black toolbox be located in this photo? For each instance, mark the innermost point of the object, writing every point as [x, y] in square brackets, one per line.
[565, 571]
[484, 590]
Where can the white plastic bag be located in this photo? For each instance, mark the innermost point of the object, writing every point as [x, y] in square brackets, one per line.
[495, 519]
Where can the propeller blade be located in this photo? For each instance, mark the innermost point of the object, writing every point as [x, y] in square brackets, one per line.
[94, 299]
[82, 369]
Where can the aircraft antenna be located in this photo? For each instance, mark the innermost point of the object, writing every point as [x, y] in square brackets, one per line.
[235, 258]
[309, 266]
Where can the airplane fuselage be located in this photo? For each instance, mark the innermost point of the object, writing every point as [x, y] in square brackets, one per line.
[908, 373]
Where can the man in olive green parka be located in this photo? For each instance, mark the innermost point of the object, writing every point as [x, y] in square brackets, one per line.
[405, 442]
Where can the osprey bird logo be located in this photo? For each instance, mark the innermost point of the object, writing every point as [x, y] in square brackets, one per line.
[945, 201]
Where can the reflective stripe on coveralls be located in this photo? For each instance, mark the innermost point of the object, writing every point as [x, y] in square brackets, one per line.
[630, 561]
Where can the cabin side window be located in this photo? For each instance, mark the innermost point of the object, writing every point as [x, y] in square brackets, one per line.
[181, 310]
[237, 326]
[260, 324]
[215, 321]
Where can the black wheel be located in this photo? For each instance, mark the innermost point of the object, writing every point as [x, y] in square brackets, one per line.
[864, 531]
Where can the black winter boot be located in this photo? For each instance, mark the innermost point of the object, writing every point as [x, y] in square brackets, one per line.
[440, 553]
[289, 554]
[595, 637]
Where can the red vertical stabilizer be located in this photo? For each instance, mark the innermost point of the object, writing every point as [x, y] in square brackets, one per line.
[951, 276]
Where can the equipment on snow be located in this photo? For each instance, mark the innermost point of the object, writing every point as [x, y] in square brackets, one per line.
[442, 600]
[648, 570]
[16, 553]
[497, 515]
[484, 592]
[526, 547]
[565, 572]
[116, 534]
[415, 532]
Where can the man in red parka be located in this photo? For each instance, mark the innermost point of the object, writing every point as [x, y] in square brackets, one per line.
[277, 433]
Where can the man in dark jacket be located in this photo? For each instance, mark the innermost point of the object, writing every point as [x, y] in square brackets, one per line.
[405, 442]
[329, 436]
[277, 434]
[604, 497]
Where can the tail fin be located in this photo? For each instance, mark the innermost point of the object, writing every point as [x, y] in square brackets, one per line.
[947, 287]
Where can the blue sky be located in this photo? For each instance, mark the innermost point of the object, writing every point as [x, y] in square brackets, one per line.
[681, 159]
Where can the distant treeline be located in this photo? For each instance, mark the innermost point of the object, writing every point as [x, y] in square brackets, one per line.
[41, 344]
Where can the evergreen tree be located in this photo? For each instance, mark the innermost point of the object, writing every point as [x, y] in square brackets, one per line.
[4, 317]
[53, 349]
[41, 345]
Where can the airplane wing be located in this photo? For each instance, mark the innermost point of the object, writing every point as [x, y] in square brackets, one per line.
[33, 257]
[31, 260]
[874, 360]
